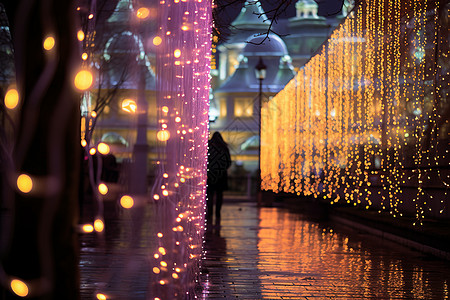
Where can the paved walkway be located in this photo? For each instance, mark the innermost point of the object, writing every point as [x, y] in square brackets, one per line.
[267, 253]
[271, 253]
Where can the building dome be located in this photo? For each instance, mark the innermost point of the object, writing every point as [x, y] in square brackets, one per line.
[272, 46]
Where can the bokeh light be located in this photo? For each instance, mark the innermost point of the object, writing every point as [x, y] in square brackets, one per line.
[19, 288]
[143, 13]
[126, 201]
[99, 225]
[103, 148]
[103, 189]
[101, 296]
[24, 183]
[163, 135]
[11, 98]
[80, 35]
[157, 41]
[129, 105]
[88, 228]
[83, 80]
[49, 43]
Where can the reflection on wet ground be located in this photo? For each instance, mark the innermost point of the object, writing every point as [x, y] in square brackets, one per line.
[271, 253]
[113, 263]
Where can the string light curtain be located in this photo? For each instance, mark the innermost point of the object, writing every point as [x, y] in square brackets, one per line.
[183, 66]
[365, 121]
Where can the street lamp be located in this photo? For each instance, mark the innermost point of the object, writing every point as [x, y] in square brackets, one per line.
[260, 71]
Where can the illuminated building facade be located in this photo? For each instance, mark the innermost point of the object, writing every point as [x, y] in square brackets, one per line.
[235, 101]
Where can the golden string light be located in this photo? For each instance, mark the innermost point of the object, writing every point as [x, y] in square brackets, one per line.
[358, 124]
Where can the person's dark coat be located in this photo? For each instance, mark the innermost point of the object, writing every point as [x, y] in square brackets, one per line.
[219, 161]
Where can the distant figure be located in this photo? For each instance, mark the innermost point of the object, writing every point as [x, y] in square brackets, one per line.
[219, 161]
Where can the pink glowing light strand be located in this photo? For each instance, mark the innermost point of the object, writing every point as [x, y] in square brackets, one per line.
[183, 82]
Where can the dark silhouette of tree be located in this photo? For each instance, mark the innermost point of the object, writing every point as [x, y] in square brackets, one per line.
[38, 234]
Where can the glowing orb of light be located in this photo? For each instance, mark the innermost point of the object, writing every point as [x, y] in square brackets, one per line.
[92, 151]
[143, 13]
[99, 225]
[103, 148]
[24, 183]
[126, 202]
[19, 288]
[49, 43]
[129, 105]
[102, 188]
[83, 80]
[101, 296]
[11, 98]
[80, 35]
[83, 143]
[177, 53]
[84, 56]
[157, 41]
[163, 135]
[88, 228]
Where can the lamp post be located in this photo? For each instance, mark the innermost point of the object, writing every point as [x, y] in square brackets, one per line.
[260, 71]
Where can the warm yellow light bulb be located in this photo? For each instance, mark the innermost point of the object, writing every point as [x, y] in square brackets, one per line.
[157, 41]
[126, 202]
[103, 148]
[92, 151]
[83, 80]
[143, 13]
[102, 188]
[99, 225]
[49, 43]
[101, 296]
[11, 98]
[80, 35]
[129, 105]
[19, 288]
[88, 228]
[177, 53]
[24, 183]
[84, 56]
[163, 135]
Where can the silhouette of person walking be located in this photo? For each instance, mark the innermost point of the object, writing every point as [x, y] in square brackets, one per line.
[219, 161]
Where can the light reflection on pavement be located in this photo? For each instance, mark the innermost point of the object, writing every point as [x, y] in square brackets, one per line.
[271, 253]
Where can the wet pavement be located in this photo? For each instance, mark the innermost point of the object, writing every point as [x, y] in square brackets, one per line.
[267, 253]
[271, 253]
